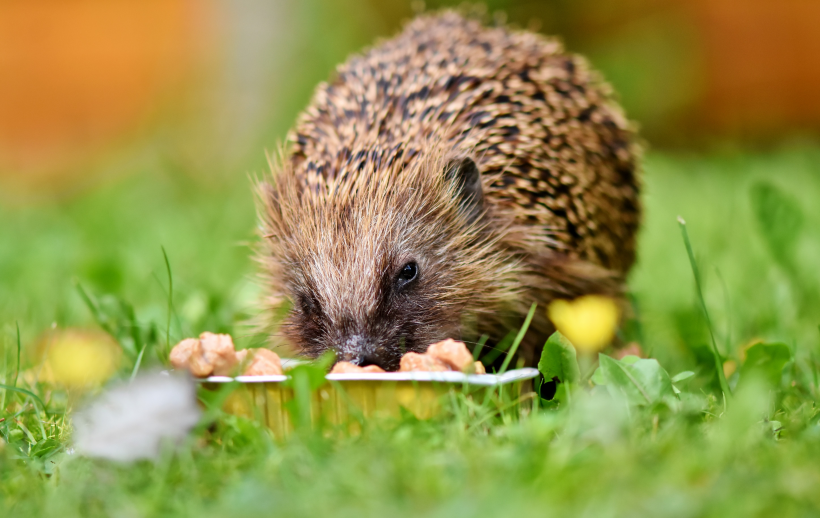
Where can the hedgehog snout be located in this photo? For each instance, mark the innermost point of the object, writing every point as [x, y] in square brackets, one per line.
[359, 350]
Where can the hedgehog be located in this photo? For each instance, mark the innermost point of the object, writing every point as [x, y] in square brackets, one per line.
[440, 184]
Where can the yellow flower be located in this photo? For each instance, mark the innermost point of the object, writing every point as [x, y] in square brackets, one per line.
[589, 322]
[76, 358]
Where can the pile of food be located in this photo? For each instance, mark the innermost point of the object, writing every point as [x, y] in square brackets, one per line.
[448, 355]
[214, 355]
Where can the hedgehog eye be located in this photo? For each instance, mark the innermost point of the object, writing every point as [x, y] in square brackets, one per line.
[407, 274]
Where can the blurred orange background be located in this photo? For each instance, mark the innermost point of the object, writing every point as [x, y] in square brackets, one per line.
[762, 66]
[78, 75]
[221, 81]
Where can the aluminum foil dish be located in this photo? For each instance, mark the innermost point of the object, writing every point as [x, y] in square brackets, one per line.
[345, 399]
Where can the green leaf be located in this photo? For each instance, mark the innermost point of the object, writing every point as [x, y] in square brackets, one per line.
[779, 220]
[643, 382]
[559, 360]
[45, 448]
[629, 359]
[598, 377]
[685, 375]
[766, 361]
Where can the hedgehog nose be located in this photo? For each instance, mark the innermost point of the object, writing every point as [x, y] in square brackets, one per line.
[369, 359]
[358, 351]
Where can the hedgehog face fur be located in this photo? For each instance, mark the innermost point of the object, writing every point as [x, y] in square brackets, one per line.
[376, 265]
[440, 184]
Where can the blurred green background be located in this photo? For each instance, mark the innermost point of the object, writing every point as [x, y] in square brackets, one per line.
[130, 126]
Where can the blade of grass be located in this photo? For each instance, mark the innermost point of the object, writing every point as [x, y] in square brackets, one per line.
[518, 338]
[492, 413]
[40, 424]
[170, 298]
[813, 360]
[94, 308]
[27, 393]
[479, 345]
[724, 386]
[175, 316]
[138, 362]
[134, 329]
[500, 348]
[728, 302]
[17, 370]
[28, 433]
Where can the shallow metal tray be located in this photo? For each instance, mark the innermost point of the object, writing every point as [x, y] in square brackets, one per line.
[345, 399]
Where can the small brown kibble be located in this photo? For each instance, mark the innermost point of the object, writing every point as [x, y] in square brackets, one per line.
[415, 362]
[454, 354]
[210, 354]
[219, 351]
[349, 368]
[259, 362]
[198, 363]
[181, 353]
[188, 354]
[345, 368]
[478, 368]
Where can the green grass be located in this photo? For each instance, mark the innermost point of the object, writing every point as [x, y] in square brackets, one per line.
[752, 221]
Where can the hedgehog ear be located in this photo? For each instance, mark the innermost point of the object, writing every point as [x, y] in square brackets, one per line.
[467, 178]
